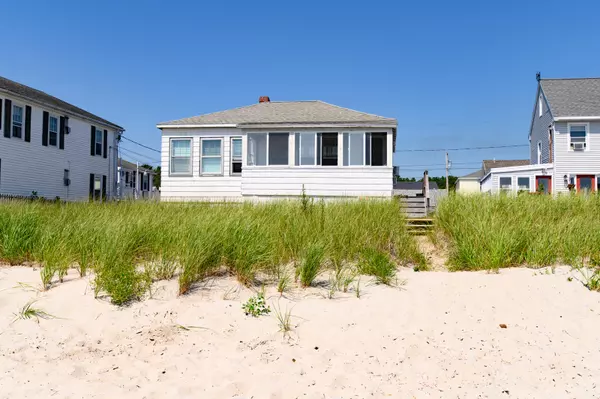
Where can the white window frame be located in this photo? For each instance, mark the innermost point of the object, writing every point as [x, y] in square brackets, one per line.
[190, 172]
[95, 141]
[500, 183]
[538, 148]
[268, 141]
[299, 145]
[50, 117]
[587, 135]
[364, 149]
[523, 177]
[202, 156]
[540, 106]
[232, 160]
[13, 123]
[98, 178]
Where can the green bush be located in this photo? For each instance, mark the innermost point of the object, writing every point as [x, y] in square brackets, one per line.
[378, 264]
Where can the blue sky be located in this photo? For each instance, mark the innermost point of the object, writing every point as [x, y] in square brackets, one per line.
[454, 73]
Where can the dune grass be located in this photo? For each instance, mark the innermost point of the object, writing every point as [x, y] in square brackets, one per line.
[491, 232]
[130, 244]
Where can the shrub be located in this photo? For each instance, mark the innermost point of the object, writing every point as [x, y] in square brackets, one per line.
[311, 265]
[256, 306]
[378, 264]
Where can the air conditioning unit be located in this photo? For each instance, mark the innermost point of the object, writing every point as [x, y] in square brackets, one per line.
[67, 182]
[578, 146]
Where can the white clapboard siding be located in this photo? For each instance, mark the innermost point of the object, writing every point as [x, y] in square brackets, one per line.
[30, 166]
[571, 163]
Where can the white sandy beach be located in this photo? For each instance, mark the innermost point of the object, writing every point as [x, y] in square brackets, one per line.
[438, 336]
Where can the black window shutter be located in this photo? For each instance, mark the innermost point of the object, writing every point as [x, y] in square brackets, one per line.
[103, 187]
[45, 129]
[7, 117]
[27, 123]
[91, 186]
[61, 138]
[93, 142]
[105, 142]
[0, 113]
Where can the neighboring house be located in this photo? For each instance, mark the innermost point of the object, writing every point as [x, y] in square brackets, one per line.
[470, 183]
[134, 181]
[564, 137]
[53, 148]
[474, 183]
[411, 188]
[275, 150]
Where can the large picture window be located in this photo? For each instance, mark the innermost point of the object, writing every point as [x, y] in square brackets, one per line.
[365, 149]
[354, 149]
[181, 156]
[211, 162]
[306, 149]
[268, 149]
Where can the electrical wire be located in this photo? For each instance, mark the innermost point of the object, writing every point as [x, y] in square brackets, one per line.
[138, 154]
[140, 144]
[465, 148]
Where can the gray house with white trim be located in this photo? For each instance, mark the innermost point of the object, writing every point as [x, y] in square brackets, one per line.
[277, 149]
[564, 137]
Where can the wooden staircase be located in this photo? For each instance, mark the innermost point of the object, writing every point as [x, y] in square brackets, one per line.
[419, 226]
[414, 207]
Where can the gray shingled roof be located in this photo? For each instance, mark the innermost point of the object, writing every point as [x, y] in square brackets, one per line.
[489, 164]
[475, 175]
[12, 87]
[288, 112]
[572, 97]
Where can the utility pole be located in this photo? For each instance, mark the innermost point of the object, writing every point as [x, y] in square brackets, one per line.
[447, 168]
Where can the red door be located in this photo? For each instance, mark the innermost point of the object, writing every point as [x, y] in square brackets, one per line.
[543, 183]
[586, 183]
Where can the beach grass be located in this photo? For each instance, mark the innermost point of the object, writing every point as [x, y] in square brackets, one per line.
[492, 232]
[130, 244]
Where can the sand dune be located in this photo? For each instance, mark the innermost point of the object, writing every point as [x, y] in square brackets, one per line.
[438, 336]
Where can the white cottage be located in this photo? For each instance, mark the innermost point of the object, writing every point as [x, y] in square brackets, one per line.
[275, 150]
[53, 149]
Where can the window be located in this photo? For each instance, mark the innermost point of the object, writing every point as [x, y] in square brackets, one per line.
[306, 149]
[506, 183]
[523, 183]
[329, 149]
[236, 156]
[211, 156]
[97, 187]
[578, 136]
[354, 153]
[98, 141]
[539, 152]
[368, 149]
[53, 131]
[181, 157]
[540, 106]
[17, 121]
[145, 182]
[268, 149]
[126, 177]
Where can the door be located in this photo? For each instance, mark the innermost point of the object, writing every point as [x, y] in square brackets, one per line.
[543, 184]
[586, 183]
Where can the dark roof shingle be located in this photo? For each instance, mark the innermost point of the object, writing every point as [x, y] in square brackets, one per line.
[12, 87]
[572, 97]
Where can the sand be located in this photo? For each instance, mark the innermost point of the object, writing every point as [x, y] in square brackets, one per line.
[438, 336]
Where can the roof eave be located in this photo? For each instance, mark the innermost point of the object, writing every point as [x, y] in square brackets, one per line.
[576, 118]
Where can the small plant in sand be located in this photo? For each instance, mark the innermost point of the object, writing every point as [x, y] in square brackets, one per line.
[311, 265]
[284, 319]
[283, 284]
[357, 289]
[590, 277]
[256, 306]
[28, 312]
[378, 264]
[46, 274]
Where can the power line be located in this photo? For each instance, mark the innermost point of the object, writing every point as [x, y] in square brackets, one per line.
[140, 144]
[465, 148]
[420, 170]
[441, 164]
[128, 151]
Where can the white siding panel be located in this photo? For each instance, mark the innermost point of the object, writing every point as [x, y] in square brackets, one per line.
[30, 166]
[570, 162]
[197, 187]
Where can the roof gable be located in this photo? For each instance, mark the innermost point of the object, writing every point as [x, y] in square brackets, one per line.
[284, 112]
[572, 97]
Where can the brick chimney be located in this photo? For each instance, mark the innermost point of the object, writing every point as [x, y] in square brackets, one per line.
[264, 99]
